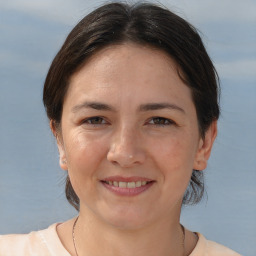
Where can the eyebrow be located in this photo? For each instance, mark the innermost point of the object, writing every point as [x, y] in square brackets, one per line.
[93, 105]
[142, 108]
[158, 106]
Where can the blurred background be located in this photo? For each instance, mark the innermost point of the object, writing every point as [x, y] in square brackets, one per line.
[31, 182]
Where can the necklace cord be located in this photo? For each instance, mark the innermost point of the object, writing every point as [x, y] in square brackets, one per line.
[73, 234]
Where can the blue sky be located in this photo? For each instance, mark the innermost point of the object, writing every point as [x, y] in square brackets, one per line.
[228, 26]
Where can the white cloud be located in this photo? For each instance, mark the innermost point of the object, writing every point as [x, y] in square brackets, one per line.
[242, 69]
[14, 61]
[197, 11]
[63, 11]
[216, 11]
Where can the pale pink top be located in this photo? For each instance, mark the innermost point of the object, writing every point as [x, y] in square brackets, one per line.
[47, 243]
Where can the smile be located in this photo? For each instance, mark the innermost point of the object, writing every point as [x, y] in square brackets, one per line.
[123, 184]
[127, 186]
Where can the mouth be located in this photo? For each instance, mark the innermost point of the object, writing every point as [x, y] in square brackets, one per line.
[131, 184]
[127, 186]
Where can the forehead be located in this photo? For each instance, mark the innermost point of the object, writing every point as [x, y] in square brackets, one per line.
[133, 69]
[127, 57]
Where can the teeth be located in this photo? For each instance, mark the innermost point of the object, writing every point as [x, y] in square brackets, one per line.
[131, 185]
[123, 184]
[138, 184]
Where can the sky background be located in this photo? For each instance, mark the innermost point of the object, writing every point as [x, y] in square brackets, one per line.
[31, 182]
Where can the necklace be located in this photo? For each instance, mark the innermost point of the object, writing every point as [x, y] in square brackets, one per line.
[73, 234]
[74, 240]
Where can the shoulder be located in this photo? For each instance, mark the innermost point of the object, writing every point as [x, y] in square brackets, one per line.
[206, 247]
[20, 244]
[44, 242]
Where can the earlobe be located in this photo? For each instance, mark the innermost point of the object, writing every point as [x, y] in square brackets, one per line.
[62, 154]
[63, 164]
[205, 147]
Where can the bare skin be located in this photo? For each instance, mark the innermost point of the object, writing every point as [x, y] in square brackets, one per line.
[65, 230]
[128, 114]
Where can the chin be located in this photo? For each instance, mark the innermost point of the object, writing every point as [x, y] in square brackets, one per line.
[127, 219]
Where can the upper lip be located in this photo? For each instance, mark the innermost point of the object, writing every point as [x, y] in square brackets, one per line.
[126, 179]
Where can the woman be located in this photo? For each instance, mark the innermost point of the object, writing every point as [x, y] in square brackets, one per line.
[132, 99]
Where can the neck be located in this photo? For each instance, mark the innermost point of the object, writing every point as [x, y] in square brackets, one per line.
[164, 238]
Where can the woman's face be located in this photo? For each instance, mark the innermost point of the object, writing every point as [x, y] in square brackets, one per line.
[130, 137]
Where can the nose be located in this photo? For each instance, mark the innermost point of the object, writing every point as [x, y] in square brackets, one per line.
[126, 148]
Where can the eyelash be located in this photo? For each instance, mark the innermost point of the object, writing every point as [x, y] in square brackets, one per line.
[95, 118]
[161, 121]
[157, 121]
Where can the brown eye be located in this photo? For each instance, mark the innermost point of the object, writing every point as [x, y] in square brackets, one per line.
[160, 121]
[96, 120]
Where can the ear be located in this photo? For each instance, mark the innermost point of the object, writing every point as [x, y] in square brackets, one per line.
[205, 147]
[61, 149]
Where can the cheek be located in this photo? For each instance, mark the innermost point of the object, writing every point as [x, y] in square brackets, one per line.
[174, 157]
[81, 147]
[84, 155]
[175, 152]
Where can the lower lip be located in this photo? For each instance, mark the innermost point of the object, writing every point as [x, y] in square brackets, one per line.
[127, 191]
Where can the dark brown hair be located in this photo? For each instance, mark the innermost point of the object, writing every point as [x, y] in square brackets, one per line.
[144, 24]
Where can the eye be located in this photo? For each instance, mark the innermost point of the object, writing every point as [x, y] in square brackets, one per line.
[95, 120]
[161, 121]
